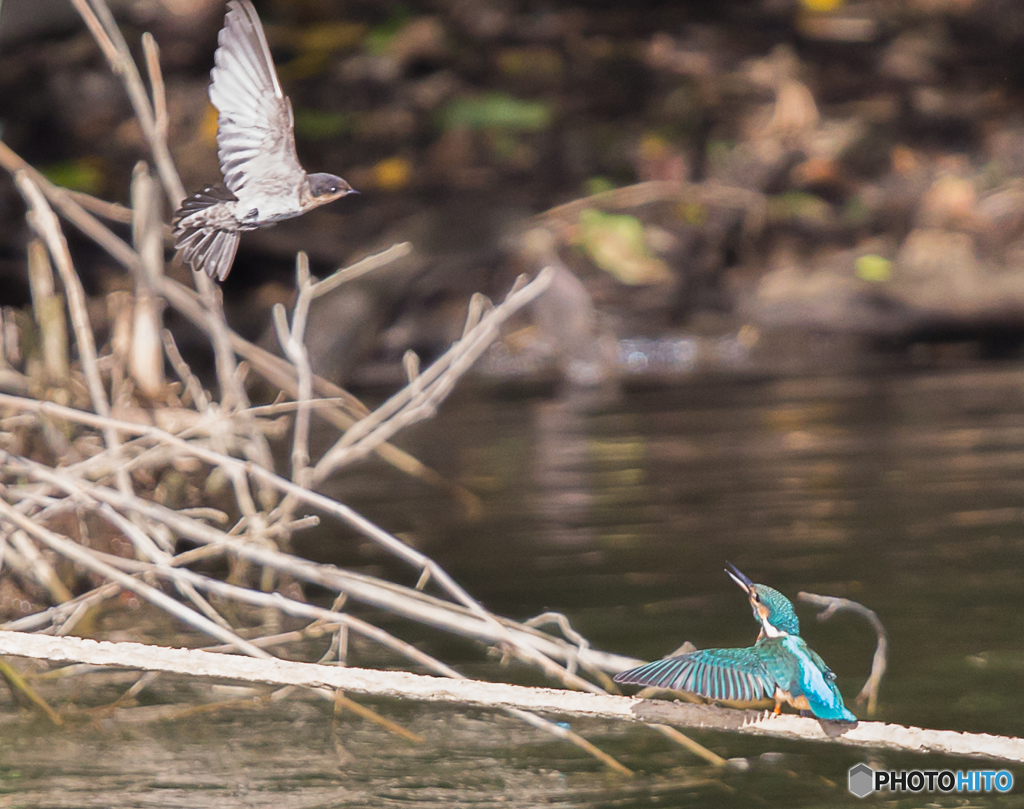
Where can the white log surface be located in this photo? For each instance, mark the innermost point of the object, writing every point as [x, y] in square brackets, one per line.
[404, 685]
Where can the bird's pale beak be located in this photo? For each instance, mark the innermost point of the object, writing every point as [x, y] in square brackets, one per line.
[739, 578]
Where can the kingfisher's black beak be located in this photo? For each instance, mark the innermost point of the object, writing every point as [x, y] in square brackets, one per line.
[739, 578]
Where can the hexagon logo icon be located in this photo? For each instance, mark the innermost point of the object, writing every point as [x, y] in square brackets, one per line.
[862, 780]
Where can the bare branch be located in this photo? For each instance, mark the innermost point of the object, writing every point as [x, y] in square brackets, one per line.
[422, 396]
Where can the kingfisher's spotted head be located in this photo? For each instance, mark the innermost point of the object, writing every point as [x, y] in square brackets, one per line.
[770, 607]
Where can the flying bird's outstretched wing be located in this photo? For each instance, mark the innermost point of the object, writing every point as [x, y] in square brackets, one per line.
[255, 137]
[719, 674]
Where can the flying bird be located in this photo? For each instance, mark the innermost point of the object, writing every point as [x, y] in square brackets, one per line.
[263, 181]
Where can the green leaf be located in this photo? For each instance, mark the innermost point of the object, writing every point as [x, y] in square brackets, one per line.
[873, 268]
[798, 205]
[618, 245]
[320, 125]
[496, 111]
[78, 175]
[380, 36]
[597, 185]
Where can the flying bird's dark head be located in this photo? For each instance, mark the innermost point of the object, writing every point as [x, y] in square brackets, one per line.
[324, 188]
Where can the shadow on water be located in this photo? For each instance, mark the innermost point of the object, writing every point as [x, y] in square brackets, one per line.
[903, 492]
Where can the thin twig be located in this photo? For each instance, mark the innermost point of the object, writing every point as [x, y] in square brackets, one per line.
[365, 265]
[48, 308]
[74, 212]
[156, 83]
[20, 688]
[292, 340]
[104, 29]
[188, 379]
[234, 465]
[420, 400]
[114, 211]
[44, 221]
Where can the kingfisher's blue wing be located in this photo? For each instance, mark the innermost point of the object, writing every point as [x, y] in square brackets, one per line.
[719, 674]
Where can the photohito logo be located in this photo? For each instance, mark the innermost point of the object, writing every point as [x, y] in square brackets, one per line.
[864, 780]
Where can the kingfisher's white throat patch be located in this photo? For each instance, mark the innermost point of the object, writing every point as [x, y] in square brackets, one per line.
[770, 630]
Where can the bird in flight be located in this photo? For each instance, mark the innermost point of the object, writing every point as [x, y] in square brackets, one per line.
[263, 181]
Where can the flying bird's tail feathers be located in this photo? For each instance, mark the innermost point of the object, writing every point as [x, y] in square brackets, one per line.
[212, 251]
[206, 231]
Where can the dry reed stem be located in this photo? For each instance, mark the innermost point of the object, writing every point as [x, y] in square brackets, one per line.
[158, 92]
[400, 411]
[20, 688]
[418, 409]
[52, 619]
[292, 341]
[569, 735]
[148, 549]
[364, 526]
[73, 211]
[48, 308]
[44, 221]
[26, 558]
[114, 211]
[146, 360]
[276, 370]
[101, 24]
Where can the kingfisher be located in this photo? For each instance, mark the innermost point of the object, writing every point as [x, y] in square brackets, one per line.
[263, 180]
[780, 665]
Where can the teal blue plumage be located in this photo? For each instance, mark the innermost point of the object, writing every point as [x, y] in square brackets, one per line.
[721, 674]
[800, 672]
[779, 607]
[748, 675]
[780, 665]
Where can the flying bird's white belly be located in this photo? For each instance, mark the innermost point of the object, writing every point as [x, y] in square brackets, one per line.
[269, 206]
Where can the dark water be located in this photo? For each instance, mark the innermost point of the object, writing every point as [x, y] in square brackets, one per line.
[903, 492]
